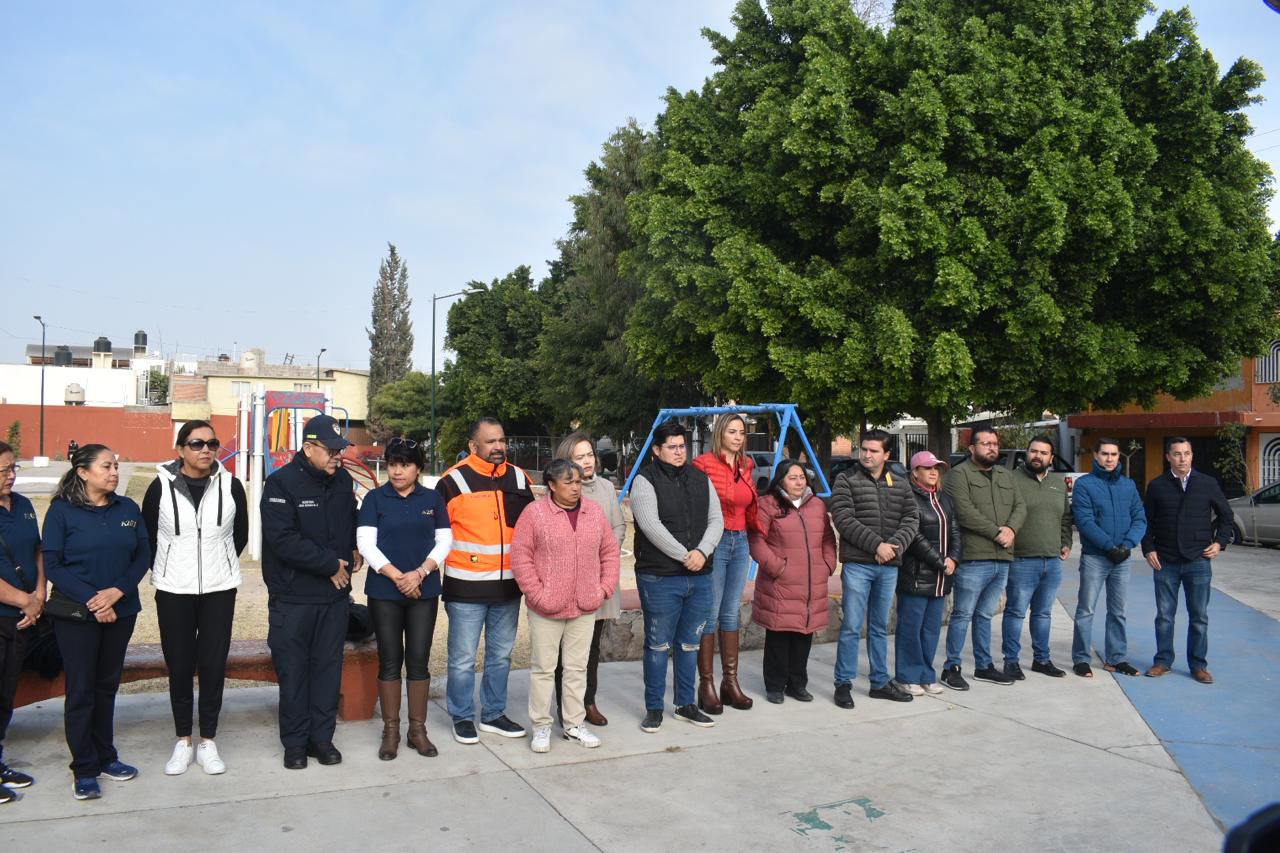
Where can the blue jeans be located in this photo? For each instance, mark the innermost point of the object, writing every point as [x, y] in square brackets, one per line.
[916, 640]
[1033, 581]
[1194, 577]
[675, 608]
[1096, 572]
[465, 622]
[729, 564]
[867, 593]
[977, 592]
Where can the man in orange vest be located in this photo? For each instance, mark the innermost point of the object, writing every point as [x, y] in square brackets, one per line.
[485, 495]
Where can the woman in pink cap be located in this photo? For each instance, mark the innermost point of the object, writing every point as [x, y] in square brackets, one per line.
[925, 578]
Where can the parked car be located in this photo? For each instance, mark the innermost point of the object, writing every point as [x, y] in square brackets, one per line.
[1257, 518]
[763, 461]
[1012, 458]
[840, 464]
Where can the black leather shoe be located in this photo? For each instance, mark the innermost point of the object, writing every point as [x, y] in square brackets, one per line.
[326, 753]
[1047, 668]
[774, 696]
[295, 757]
[892, 692]
[844, 696]
[799, 694]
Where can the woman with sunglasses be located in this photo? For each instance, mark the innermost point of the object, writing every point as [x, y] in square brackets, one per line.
[95, 553]
[198, 521]
[403, 534]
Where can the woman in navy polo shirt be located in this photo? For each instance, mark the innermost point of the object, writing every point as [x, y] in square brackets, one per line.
[21, 600]
[404, 535]
[96, 552]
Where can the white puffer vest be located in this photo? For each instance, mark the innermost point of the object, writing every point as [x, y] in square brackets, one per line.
[195, 546]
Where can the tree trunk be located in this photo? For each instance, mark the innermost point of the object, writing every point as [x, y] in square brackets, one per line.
[939, 435]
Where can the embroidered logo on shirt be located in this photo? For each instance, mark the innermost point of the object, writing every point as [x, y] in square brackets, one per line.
[431, 511]
[133, 522]
[308, 504]
[277, 500]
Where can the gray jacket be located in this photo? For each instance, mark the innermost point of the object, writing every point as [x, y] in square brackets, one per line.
[603, 493]
[870, 512]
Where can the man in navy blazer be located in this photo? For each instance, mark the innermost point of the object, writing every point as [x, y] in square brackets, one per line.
[1188, 524]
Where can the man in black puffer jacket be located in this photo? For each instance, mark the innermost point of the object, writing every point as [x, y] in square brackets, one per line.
[875, 514]
[308, 555]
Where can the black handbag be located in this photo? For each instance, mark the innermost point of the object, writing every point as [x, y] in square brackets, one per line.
[62, 606]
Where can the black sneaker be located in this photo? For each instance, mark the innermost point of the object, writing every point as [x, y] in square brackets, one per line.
[464, 731]
[844, 696]
[326, 753]
[992, 675]
[953, 679]
[1047, 668]
[652, 721]
[775, 697]
[11, 778]
[500, 725]
[6, 796]
[799, 694]
[892, 692]
[1014, 671]
[691, 714]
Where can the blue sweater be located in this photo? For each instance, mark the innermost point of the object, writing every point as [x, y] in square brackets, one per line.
[1108, 512]
[18, 526]
[92, 548]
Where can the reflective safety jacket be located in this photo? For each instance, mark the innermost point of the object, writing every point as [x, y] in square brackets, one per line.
[484, 502]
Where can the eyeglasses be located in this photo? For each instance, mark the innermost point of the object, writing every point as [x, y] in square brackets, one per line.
[9, 471]
[200, 444]
[330, 451]
[406, 442]
[675, 448]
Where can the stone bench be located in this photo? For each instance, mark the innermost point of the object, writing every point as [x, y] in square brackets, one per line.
[249, 660]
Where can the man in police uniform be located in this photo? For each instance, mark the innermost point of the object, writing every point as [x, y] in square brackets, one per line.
[308, 555]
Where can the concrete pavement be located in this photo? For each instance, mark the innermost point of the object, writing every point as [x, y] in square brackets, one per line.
[1061, 764]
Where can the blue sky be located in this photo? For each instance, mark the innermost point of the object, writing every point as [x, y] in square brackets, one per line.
[228, 175]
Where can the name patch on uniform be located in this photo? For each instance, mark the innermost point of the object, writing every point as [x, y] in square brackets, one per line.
[277, 501]
[133, 522]
[308, 504]
[431, 511]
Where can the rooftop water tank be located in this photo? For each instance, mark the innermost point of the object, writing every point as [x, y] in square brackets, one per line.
[62, 356]
[102, 344]
[140, 342]
[74, 395]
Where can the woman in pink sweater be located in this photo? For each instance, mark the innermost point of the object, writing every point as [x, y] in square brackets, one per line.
[565, 559]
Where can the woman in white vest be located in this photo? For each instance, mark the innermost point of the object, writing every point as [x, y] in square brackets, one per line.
[198, 519]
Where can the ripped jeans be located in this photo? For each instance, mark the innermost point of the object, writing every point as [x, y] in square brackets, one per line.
[675, 609]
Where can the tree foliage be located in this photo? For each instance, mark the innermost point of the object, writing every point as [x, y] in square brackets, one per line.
[391, 335]
[585, 373]
[403, 407]
[1010, 207]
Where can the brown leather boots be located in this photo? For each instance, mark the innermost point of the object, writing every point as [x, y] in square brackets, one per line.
[730, 692]
[418, 693]
[389, 701]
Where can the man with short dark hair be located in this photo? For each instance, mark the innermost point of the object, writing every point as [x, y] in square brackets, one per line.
[1188, 524]
[875, 514]
[1043, 542]
[678, 524]
[308, 556]
[1111, 521]
[990, 511]
[484, 494]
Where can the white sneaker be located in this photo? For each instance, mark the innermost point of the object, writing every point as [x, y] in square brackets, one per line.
[208, 758]
[541, 739]
[913, 689]
[933, 689]
[582, 735]
[178, 763]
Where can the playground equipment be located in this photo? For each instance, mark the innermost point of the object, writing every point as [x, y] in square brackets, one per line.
[270, 433]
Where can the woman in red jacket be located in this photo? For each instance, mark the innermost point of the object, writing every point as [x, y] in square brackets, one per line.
[730, 472]
[796, 549]
[565, 559]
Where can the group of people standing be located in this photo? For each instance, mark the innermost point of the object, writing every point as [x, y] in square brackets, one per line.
[482, 541]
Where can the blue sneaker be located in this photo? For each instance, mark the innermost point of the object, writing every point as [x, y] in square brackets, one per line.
[86, 789]
[119, 771]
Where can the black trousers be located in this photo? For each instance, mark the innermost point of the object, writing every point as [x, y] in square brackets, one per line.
[786, 660]
[195, 636]
[405, 629]
[306, 649]
[593, 666]
[13, 648]
[93, 658]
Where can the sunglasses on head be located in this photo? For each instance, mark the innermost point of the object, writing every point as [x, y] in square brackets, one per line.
[198, 444]
[406, 442]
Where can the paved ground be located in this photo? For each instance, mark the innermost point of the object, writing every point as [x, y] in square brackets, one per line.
[1067, 764]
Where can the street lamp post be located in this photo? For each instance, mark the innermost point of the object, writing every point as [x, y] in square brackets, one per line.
[434, 300]
[43, 328]
[323, 350]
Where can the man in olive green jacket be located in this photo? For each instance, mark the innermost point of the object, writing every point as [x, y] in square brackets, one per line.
[989, 511]
[1043, 542]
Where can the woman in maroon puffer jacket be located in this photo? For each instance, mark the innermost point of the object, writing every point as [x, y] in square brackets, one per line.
[796, 549]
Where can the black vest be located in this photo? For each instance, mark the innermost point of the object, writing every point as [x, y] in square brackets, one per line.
[683, 494]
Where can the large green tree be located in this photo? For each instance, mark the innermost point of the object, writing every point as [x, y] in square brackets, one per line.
[391, 332]
[403, 407]
[585, 373]
[1009, 206]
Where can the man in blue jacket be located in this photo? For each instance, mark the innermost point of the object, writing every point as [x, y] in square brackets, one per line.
[1109, 515]
[1188, 524]
[308, 555]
